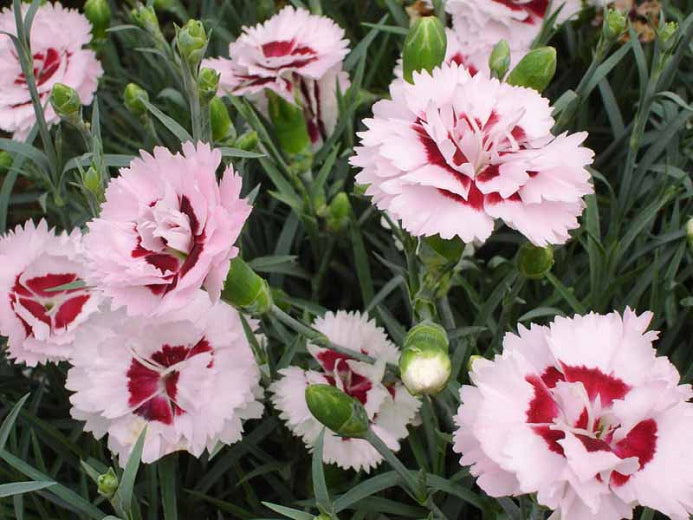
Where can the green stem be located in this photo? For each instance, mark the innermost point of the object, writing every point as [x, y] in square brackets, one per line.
[508, 304]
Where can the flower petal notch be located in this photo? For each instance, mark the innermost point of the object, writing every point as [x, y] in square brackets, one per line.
[190, 378]
[358, 386]
[42, 303]
[58, 42]
[451, 153]
[166, 229]
[584, 414]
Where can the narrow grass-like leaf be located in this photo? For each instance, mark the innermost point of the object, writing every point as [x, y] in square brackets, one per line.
[9, 421]
[18, 488]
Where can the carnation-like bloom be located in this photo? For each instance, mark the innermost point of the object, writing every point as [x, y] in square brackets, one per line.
[295, 54]
[40, 323]
[584, 414]
[190, 378]
[58, 37]
[480, 24]
[389, 406]
[166, 229]
[451, 153]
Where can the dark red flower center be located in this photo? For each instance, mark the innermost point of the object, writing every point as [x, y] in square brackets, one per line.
[534, 8]
[46, 65]
[354, 384]
[486, 170]
[32, 299]
[153, 385]
[172, 264]
[543, 410]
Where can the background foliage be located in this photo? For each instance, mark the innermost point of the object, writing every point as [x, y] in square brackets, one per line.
[631, 251]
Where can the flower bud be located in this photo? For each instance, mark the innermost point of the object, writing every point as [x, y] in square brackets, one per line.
[98, 12]
[5, 161]
[220, 120]
[689, 231]
[208, 84]
[424, 363]
[134, 98]
[535, 70]
[146, 18]
[65, 101]
[246, 290]
[499, 61]
[424, 47]
[289, 125]
[191, 41]
[339, 412]
[247, 141]
[92, 181]
[666, 34]
[107, 483]
[614, 24]
[338, 212]
[534, 262]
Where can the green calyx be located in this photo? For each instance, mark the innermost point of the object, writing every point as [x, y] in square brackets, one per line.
[499, 61]
[134, 98]
[535, 262]
[535, 70]
[424, 47]
[191, 40]
[289, 125]
[222, 128]
[339, 412]
[246, 290]
[98, 12]
[107, 483]
[65, 101]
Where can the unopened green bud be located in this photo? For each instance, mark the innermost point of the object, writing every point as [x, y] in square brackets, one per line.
[689, 233]
[191, 41]
[424, 363]
[5, 161]
[134, 98]
[437, 252]
[667, 34]
[65, 101]
[220, 120]
[499, 61]
[424, 47]
[338, 212]
[614, 24]
[534, 262]
[92, 181]
[98, 12]
[107, 483]
[339, 412]
[145, 17]
[535, 70]
[289, 125]
[246, 290]
[208, 83]
[247, 141]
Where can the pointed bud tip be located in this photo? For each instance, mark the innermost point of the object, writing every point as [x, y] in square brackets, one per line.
[499, 61]
[424, 46]
[65, 100]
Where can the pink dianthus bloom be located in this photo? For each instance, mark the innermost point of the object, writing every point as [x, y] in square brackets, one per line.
[451, 153]
[296, 55]
[389, 406]
[41, 323]
[189, 378]
[166, 229]
[584, 414]
[58, 37]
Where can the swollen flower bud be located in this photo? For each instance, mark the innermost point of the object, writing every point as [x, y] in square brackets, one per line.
[424, 47]
[134, 98]
[107, 483]
[289, 125]
[614, 24]
[98, 12]
[246, 290]
[65, 101]
[535, 262]
[92, 181]
[338, 212]
[208, 84]
[535, 70]
[191, 41]
[220, 120]
[689, 233]
[339, 412]
[425, 364]
[499, 61]
[667, 34]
